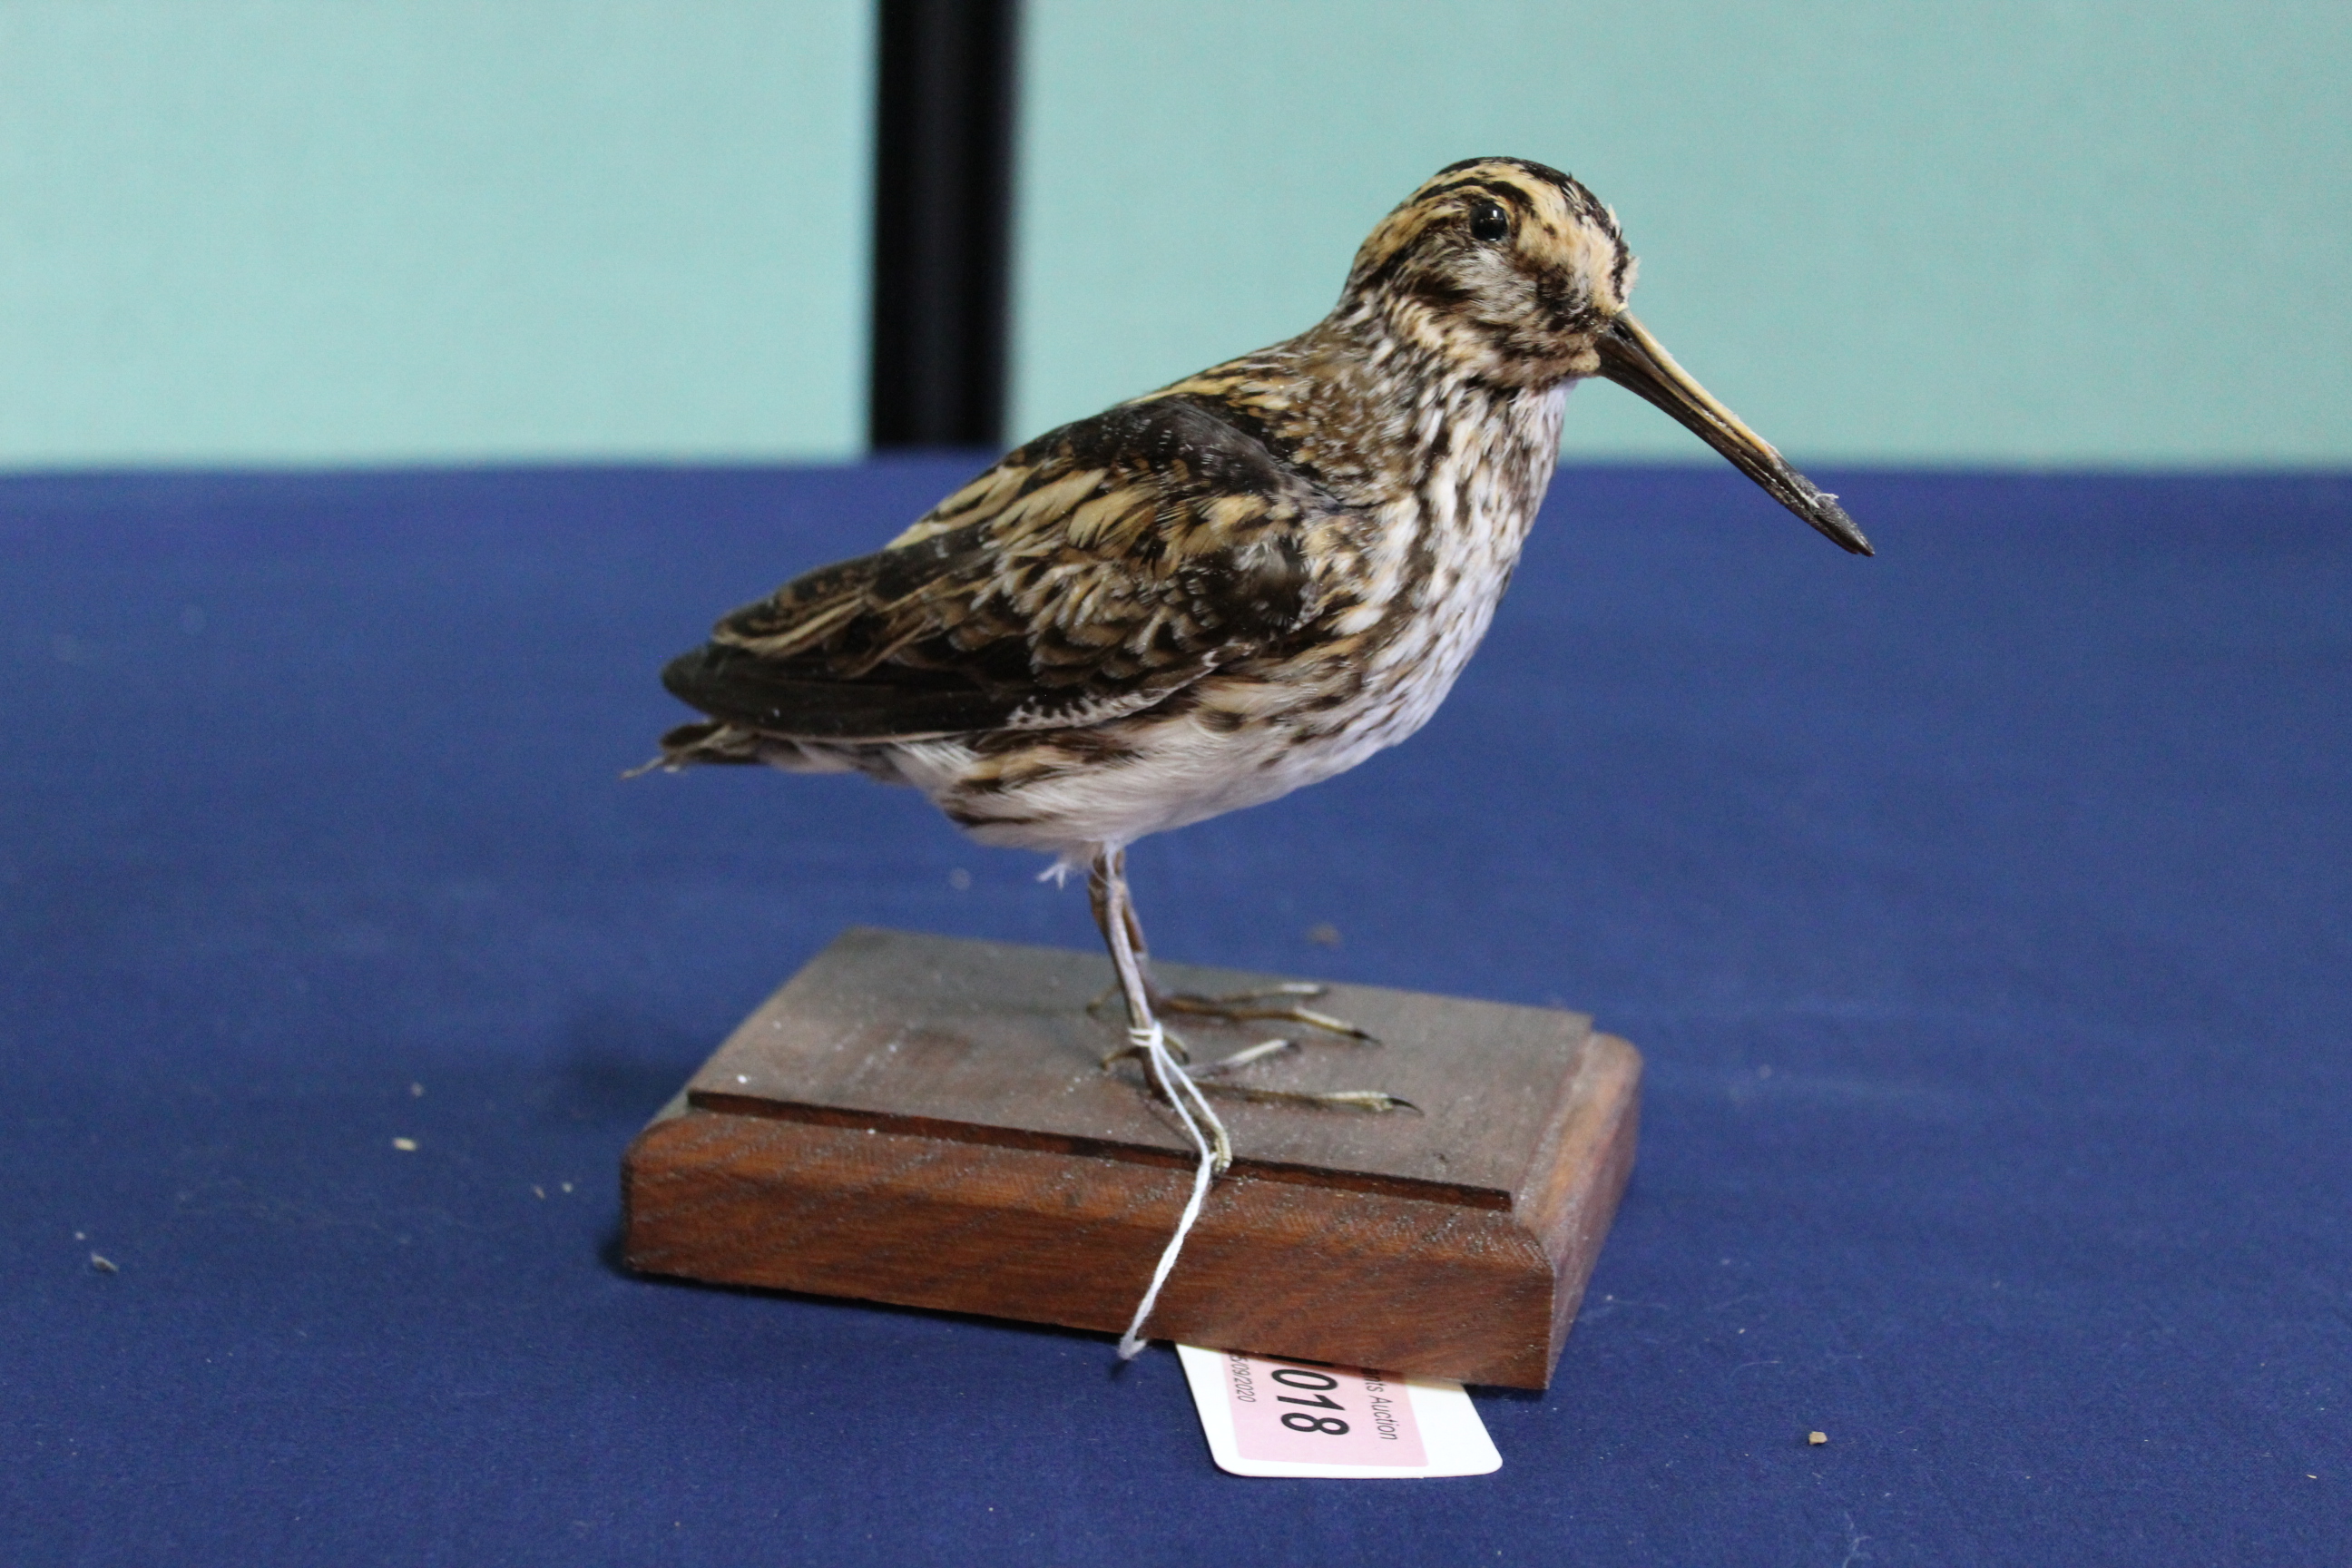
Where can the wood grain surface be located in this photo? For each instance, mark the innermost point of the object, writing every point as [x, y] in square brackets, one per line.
[924, 1120]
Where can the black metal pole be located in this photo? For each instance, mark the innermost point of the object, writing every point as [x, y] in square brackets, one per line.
[942, 223]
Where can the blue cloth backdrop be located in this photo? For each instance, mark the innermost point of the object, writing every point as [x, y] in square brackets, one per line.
[1982, 911]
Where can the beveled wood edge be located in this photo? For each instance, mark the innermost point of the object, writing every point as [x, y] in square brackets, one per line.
[948, 1130]
[1516, 1357]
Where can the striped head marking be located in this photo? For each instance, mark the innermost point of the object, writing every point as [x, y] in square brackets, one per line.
[1506, 266]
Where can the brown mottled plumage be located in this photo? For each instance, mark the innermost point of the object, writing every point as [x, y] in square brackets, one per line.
[1244, 583]
[1240, 583]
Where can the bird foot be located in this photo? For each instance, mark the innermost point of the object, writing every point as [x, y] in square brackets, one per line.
[1275, 1005]
[1212, 1077]
[1266, 1008]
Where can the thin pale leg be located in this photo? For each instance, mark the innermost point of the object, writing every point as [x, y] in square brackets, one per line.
[1114, 911]
[1277, 1004]
[1114, 908]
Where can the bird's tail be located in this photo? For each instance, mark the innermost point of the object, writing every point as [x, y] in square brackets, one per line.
[710, 741]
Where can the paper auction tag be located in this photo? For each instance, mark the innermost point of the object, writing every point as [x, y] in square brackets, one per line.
[1270, 1417]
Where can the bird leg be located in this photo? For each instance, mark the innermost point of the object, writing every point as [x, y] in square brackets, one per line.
[1277, 1004]
[1114, 911]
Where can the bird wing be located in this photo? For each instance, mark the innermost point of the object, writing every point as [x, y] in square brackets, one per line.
[1091, 573]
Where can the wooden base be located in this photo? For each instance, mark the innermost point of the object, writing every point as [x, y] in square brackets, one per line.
[923, 1120]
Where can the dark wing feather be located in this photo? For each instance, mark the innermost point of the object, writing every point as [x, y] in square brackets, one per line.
[1090, 574]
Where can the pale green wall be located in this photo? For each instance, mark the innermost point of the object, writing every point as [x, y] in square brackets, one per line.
[233, 231]
[422, 230]
[2090, 233]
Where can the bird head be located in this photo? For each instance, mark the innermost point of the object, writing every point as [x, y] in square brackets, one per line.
[1514, 273]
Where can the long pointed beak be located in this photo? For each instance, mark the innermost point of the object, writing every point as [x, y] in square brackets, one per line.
[1635, 361]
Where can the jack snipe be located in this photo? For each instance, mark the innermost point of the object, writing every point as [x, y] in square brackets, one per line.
[1244, 583]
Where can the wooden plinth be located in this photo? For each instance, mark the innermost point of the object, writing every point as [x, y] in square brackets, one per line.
[922, 1121]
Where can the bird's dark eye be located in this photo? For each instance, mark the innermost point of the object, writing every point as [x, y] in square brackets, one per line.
[1489, 221]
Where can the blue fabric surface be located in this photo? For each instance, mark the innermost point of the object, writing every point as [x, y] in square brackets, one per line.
[1982, 911]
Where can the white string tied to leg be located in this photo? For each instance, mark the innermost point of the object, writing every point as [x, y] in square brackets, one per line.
[1178, 1087]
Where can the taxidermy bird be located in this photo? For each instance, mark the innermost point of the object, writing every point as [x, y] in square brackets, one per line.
[1212, 595]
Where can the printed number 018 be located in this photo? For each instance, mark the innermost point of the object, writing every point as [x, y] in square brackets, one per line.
[1298, 1420]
